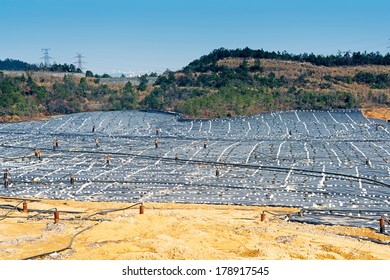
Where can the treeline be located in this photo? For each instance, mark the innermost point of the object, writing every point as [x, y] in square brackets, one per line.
[17, 65]
[55, 67]
[206, 87]
[208, 62]
[22, 96]
[221, 77]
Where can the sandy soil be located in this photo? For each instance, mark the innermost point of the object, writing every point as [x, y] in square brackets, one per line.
[172, 231]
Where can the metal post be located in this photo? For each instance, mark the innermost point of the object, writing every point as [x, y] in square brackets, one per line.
[56, 217]
[141, 209]
[262, 217]
[382, 225]
[24, 207]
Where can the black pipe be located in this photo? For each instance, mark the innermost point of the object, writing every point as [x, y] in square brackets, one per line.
[240, 165]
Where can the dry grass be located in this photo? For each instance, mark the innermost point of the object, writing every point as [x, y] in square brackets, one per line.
[37, 117]
[382, 113]
[314, 75]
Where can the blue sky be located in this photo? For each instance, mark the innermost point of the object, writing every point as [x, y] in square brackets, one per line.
[129, 36]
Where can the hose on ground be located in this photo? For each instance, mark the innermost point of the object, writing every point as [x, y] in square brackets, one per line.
[279, 215]
[366, 239]
[12, 209]
[233, 164]
[62, 249]
[86, 218]
[103, 212]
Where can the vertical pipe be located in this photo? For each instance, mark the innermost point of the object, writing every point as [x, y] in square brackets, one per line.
[24, 207]
[56, 216]
[382, 225]
[141, 209]
[262, 217]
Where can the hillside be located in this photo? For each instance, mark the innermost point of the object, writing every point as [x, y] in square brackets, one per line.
[241, 86]
[223, 83]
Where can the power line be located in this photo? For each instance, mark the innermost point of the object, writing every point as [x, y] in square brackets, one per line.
[348, 52]
[46, 57]
[80, 61]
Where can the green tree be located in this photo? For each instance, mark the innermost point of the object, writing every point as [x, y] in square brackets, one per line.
[256, 67]
[155, 99]
[143, 82]
[128, 87]
[129, 100]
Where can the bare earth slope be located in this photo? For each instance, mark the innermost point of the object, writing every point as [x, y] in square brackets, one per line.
[172, 231]
[377, 113]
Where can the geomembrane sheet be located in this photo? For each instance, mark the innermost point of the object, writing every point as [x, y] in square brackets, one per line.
[332, 164]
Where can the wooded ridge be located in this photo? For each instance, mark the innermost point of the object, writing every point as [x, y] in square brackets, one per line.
[222, 83]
